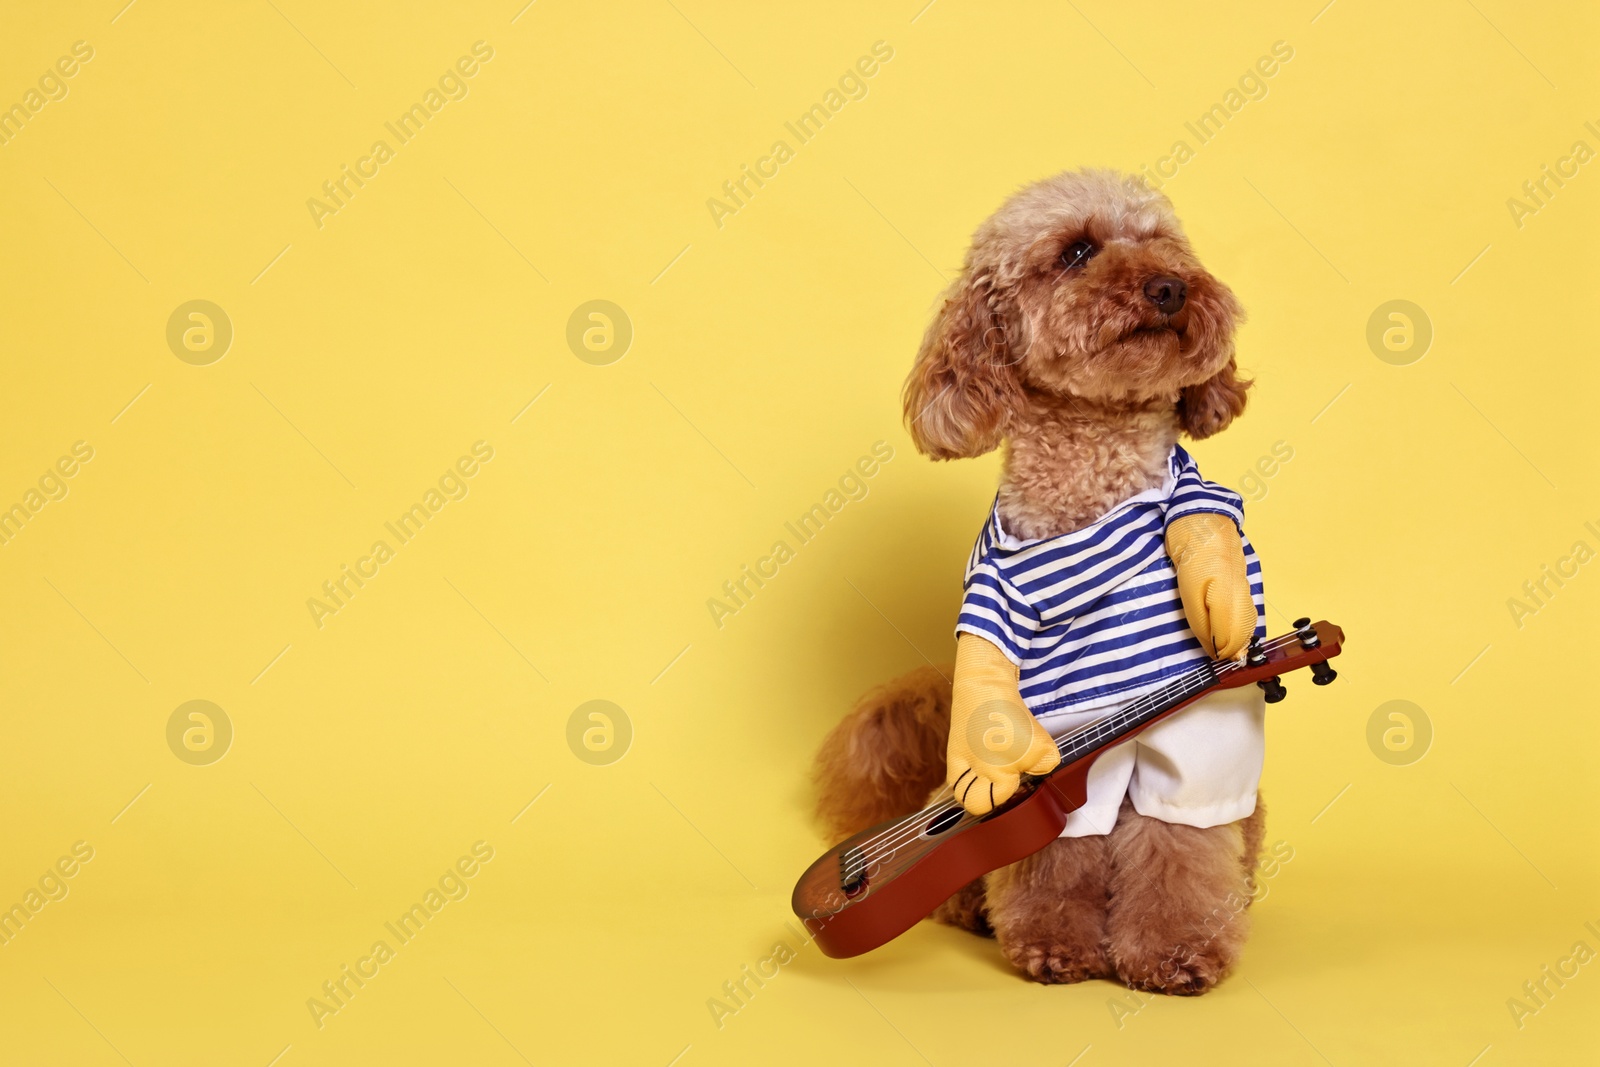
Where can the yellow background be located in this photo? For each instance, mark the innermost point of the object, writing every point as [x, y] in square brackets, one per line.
[370, 353]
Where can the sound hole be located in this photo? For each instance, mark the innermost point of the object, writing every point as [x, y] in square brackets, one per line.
[943, 822]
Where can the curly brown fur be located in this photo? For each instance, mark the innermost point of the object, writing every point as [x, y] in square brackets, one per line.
[1049, 910]
[968, 908]
[883, 758]
[1254, 829]
[1179, 895]
[1087, 380]
[1087, 374]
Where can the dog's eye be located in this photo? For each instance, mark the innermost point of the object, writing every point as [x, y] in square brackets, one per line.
[1078, 253]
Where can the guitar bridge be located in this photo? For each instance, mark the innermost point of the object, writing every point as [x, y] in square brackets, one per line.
[852, 871]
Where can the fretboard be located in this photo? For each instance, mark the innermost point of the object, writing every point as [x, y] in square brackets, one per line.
[1103, 733]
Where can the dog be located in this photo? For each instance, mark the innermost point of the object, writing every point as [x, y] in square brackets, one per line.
[1085, 337]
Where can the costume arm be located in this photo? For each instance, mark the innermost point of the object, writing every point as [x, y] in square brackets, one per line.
[1208, 555]
[994, 739]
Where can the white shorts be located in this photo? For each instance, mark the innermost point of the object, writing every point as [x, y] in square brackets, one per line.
[1200, 767]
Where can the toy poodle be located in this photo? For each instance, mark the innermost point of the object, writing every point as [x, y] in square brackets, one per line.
[1084, 336]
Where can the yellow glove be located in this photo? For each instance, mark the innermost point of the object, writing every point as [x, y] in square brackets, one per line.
[1209, 558]
[994, 739]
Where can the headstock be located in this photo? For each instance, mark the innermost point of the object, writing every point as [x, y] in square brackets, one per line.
[1308, 645]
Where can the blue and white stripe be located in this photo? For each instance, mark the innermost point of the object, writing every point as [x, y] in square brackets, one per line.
[1093, 617]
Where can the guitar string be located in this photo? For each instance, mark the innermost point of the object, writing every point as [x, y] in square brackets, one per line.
[1173, 690]
[1179, 689]
[877, 848]
[911, 828]
[1063, 744]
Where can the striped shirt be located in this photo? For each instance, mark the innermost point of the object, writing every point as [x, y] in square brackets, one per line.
[1092, 617]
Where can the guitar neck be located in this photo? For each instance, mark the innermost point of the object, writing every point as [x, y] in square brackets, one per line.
[1308, 645]
[1105, 732]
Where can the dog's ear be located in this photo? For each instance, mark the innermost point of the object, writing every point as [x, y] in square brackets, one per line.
[1207, 408]
[963, 387]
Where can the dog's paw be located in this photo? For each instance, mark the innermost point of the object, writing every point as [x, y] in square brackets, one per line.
[1182, 972]
[1054, 962]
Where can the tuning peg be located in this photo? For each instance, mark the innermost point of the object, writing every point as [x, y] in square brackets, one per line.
[1255, 656]
[1274, 689]
[1322, 674]
[1307, 634]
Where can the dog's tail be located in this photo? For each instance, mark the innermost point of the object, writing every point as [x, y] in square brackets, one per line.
[887, 755]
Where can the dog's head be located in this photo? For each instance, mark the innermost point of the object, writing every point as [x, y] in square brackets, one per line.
[1081, 286]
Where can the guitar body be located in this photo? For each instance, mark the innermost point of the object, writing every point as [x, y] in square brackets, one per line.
[966, 852]
[877, 884]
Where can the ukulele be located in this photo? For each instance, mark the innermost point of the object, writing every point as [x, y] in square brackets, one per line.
[873, 887]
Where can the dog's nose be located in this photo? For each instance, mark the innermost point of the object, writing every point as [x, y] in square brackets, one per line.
[1166, 293]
